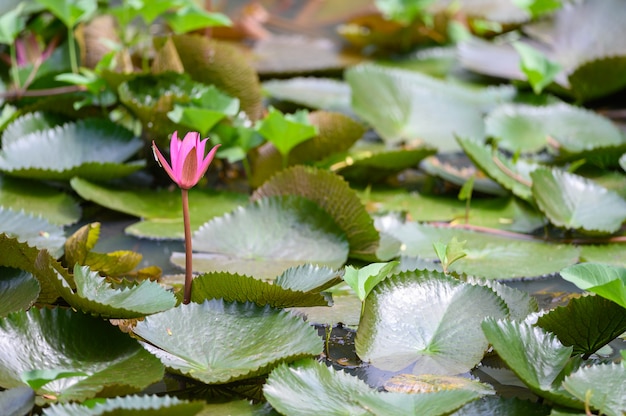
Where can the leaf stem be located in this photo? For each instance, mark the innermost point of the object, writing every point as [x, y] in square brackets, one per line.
[14, 69]
[509, 172]
[188, 258]
[72, 47]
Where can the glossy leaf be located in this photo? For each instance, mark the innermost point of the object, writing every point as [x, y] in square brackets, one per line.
[39, 200]
[71, 12]
[95, 295]
[234, 287]
[572, 201]
[148, 405]
[586, 323]
[512, 176]
[403, 105]
[219, 342]
[309, 278]
[19, 255]
[602, 386]
[320, 93]
[363, 280]
[35, 340]
[335, 196]
[18, 290]
[35, 231]
[528, 128]
[536, 357]
[488, 255]
[312, 388]
[160, 209]
[267, 237]
[539, 70]
[206, 110]
[439, 316]
[62, 153]
[601, 279]
[286, 131]
[189, 18]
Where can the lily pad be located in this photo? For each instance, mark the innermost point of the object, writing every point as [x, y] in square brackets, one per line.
[135, 405]
[512, 176]
[440, 319]
[527, 128]
[536, 357]
[309, 278]
[612, 254]
[234, 287]
[572, 201]
[601, 279]
[603, 387]
[19, 255]
[218, 342]
[110, 359]
[39, 199]
[160, 210]
[18, 290]
[29, 123]
[587, 323]
[373, 163]
[335, 196]
[404, 105]
[97, 296]
[61, 153]
[312, 388]
[267, 237]
[320, 93]
[35, 231]
[489, 255]
[500, 406]
[17, 401]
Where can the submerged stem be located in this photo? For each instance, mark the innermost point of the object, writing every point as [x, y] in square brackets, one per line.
[188, 263]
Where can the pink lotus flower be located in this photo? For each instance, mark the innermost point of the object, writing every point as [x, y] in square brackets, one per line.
[188, 161]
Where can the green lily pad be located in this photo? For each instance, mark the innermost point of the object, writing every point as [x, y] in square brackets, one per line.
[404, 105]
[95, 295]
[440, 320]
[38, 199]
[602, 386]
[16, 254]
[587, 323]
[35, 340]
[160, 210]
[267, 237]
[312, 388]
[29, 123]
[335, 133]
[613, 254]
[527, 128]
[18, 290]
[572, 201]
[519, 303]
[320, 93]
[234, 287]
[309, 278]
[373, 163]
[536, 357]
[219, 63]
[35, 231]
[601, 279]
[503, 213]
[512, 176]
[61, 153]
[129, 405]
[489, 255]
[335, 196]
[218, 342]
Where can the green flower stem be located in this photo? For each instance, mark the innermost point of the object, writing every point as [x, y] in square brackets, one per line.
[188, 258]
[72, 47]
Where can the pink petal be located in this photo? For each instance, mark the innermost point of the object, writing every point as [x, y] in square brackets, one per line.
[161, 160]
[202, 168]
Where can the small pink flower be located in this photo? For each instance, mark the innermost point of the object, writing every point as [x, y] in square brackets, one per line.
[188, 161]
